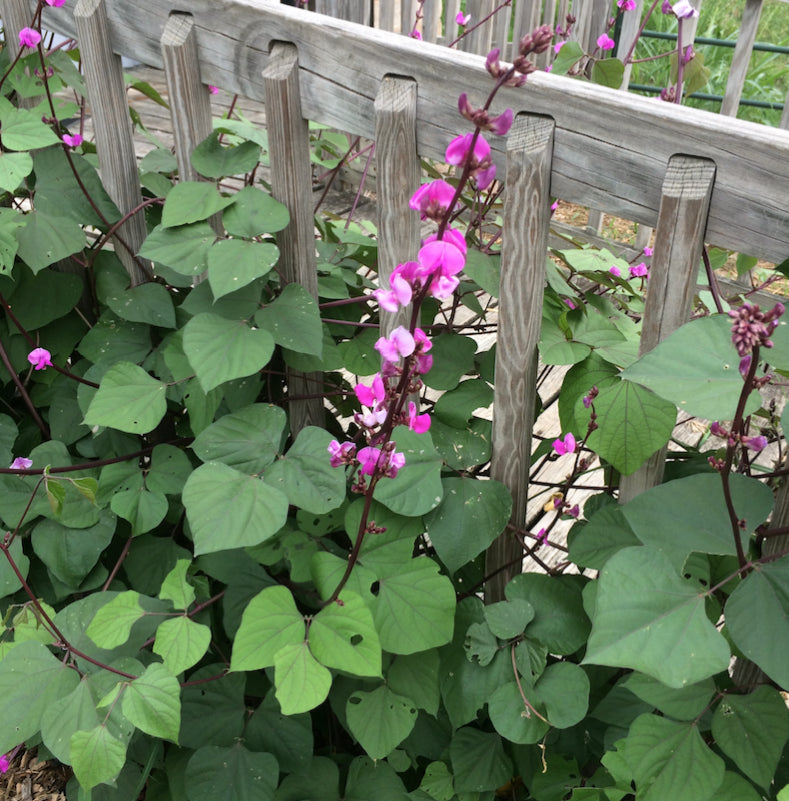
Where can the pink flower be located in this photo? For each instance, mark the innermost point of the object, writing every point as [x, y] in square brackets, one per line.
[341, 453]
[72, 141]
[400, 343]
[684, 10]
[501, 124]
[55, 3]
[417, 422]
[21, 463]
[372, 460]
[554, 206]
[213, 90]
[399, 295]
[568, 303]
[40, 358]
[459, 152]
[755, 444]
[648, 252]
[605, 42]
[614, 270]
[639, 271]
[626, 5]
[5, 763]
[415, 35]
[542, 537]
[462, 20]
[371, 396]
[29, 37]
[432, 200]
[566, 445]
[556, 48]
[573, 511]
[443, 260]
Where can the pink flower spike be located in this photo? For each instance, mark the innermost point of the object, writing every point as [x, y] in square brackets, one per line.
[72, 141]
[5, 763]
[21, 463]
[400, 343]
[564, 446]
[213, 90]
[40, 358]
[605, 42]
[419, 423]
[29, 37]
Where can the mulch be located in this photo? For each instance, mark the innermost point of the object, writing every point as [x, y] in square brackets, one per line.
[28, 779]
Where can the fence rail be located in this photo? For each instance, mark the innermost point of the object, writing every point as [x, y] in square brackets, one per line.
[696, 176]
[610, 150]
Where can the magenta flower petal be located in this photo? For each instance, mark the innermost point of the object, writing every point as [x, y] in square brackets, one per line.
[29, 37]
[605, 42]
[40, 358]
[21, 463]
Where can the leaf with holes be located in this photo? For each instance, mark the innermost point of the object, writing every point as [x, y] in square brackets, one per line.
[470, 517]
[757, 618]
[302, 682]
[235, 263]
[671, 760]
[293, 319]
[380, 720]
[667, 635]
[342, 636]
[269, 623]
[415, 606]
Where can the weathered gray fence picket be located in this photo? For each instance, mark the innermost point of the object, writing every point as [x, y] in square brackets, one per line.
[696, 175]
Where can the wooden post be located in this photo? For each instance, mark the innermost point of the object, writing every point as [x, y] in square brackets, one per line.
[478, 40]
[112, 125]
[190, 105]
[741, 58]
[291, 184]
[350, 10]
[682, 220]
[398, 173]
[524, 246]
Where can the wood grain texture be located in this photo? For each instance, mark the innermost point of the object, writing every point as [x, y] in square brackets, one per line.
[112, 126]
[398, 175]
[480, 34]
[188, 96]
[672, 282]
[741, 58]
[291, 184]
[610, 149]
[527, 202]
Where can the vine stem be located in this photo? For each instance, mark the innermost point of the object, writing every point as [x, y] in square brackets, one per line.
[736, 429]
[529, 707]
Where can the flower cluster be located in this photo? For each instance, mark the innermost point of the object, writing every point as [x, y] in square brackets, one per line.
[752, 326]
[536, 42]
[755, 444]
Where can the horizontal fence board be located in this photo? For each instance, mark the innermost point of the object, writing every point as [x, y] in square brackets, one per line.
[611, 150]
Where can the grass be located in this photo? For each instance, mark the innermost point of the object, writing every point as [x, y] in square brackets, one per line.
[768, 73]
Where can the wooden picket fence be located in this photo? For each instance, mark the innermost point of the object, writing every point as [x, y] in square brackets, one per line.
[693, 175]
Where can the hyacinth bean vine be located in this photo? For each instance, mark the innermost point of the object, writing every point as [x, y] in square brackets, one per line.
[200, 603]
